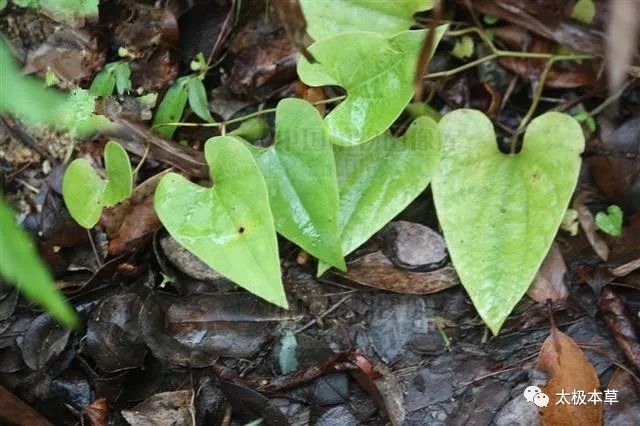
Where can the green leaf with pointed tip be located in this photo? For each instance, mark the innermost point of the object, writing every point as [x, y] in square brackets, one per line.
[122, 73]
[198, 99]
[500, 212]
[379, 179]
[103, 83]
[377, 73]
[611, 221]
[20, 265]
[228, 226]
[171, 108]
[300, 173]
[85, 193]
[327, 18]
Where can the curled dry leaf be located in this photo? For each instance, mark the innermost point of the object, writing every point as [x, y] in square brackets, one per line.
[588, 225]
[128, 223]
[164, 346]
[619, 322]
[290, 15]
[567, 369]
[97, 412]
[549, 281]
[376, 270]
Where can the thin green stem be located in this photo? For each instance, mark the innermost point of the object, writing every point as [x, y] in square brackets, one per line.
[223, 124]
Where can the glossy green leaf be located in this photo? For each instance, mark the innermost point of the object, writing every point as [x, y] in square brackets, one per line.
[171, 108]
[377, 73]
[198, 99]
[301, 177]
[20, 265]
[327, 18]
[85, 193]
[25, 96]
[500, 212]
[610, 221]
[379, 179]
[228, 226]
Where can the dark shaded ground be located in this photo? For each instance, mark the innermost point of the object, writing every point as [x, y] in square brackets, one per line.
[168, 341]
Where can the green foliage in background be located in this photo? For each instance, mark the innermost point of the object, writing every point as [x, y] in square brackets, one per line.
[21, 265]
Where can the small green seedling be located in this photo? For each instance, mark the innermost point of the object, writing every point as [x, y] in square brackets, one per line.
[463, 48]
[500, 212]
[583, 117]
[116, 75]
[584, 11]
[189, 88]
[86, 194]
[377, 73]
[229, 226]
[379, 179]
[300, 172]
[20, 265]
[610, 221]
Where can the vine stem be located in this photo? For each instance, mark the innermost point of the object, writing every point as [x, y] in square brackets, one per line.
[223, 124]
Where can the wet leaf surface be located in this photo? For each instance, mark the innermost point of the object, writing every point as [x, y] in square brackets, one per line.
[371, 106]
[113, 338]
[484, 209]
[230, 325]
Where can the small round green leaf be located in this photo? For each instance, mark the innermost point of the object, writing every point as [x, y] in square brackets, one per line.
[120, 179]
[230, 225]
[499, 212]
[85, 193]
[82, 191]
[377, 73]
[610, 221]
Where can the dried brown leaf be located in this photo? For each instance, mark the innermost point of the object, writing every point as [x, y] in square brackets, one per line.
[568, 369]
[549, 281]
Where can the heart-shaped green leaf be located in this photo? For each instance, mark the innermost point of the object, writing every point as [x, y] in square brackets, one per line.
[301, 176]
[377, 73]
[611, 221]
[379, 179]
[85, 193]
[499, 212]
[327, 18]
[228, 226]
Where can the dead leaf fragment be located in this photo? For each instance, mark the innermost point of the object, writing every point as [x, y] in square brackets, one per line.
[98, 412]
[588, 225]
[168, 408]
[568, 369]
[549, 280]
[376, 270]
